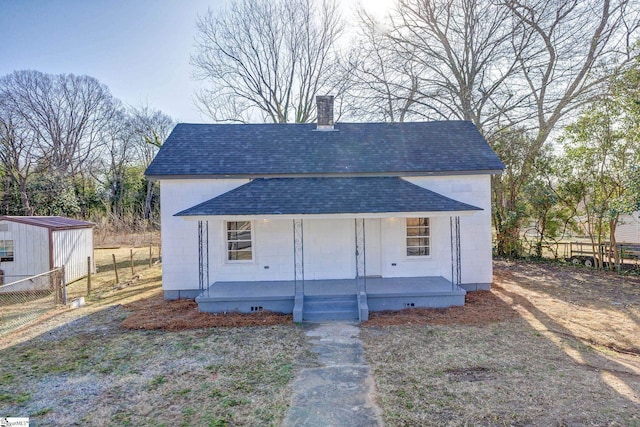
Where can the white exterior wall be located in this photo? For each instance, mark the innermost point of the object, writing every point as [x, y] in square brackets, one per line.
[329, 244]
[272, 253]
[180, 237]
[475, 230]
[31, 250]
[329, 249]
[71, 249]
[628, 230]
[396, 263]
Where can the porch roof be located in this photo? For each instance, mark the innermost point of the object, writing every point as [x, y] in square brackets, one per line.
[326, 196]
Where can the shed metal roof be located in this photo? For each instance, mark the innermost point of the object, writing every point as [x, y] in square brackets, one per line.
[352, 149]
[314, 196]
[50, 222]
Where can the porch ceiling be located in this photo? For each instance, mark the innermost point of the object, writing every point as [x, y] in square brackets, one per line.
[327, 196]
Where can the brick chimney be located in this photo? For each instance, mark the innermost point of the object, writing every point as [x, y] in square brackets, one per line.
[325, 112]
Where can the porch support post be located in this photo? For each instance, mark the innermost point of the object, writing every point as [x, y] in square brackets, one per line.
[203, 256]
[456, 269]
[361, 270]
[298, 269]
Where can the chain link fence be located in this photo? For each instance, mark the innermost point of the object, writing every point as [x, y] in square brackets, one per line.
[25, 299]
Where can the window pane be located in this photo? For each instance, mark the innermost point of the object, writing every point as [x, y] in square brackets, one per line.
[417, 231]
[413, 251]
[6, 250]
[417, 241]
[240, 256]
[239, 243]
[417, 251]
[244, 235]
[413, 222]
[244, 245]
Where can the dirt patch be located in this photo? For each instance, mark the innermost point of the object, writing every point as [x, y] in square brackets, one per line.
[472, 373]
[156, 313]
[601, 309]
[481, 307]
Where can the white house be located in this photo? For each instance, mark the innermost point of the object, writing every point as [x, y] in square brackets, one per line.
[31, 245]
[325, 221]
[628, 229]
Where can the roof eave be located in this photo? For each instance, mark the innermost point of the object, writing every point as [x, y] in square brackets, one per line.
[20, 220]
[371, 215]
[326, 175]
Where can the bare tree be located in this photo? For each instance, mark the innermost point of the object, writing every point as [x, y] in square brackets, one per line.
[65, 115]
[15, 155]
[267, 59]
[574, 47]
[461, 56]
[516, 68]
[383, 84]
[151, 128]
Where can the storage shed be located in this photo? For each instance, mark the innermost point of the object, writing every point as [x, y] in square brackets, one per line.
[31, 245]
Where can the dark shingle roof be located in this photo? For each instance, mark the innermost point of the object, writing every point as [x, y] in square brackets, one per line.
[194, 150]
[293, 196]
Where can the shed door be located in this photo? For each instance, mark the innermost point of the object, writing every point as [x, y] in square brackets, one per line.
[373, 247]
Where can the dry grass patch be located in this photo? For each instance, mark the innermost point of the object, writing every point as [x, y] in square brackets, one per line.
[103, 284]
[569, 356]
[92, 372]
[500, 374]
[81, 367]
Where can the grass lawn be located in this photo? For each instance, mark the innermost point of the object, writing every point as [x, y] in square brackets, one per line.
[81, 367]
[570, 355]
[547, 346]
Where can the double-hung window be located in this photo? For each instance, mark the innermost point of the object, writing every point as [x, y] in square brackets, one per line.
[418, 237]
[239, 241]
[6, 250]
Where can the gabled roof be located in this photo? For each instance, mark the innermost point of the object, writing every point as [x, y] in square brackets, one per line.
[281, 150]
[311, 196]
[50, 222]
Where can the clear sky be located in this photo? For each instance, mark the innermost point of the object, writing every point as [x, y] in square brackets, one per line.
[139, 48]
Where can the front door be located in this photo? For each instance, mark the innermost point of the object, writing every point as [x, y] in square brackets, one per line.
[373, 247]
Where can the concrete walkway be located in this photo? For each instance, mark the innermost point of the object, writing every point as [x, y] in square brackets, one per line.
[340, 392]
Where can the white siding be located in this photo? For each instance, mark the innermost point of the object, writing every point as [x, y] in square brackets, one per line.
[475, 230]
[329, 249]
[628, 230]
[31, 250]
[180, 237]
[396, 263]
[71, 249]
[329, 244]
[272, 253]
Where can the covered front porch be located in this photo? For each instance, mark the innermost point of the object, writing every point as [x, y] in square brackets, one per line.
[332, 299]
[336, 233]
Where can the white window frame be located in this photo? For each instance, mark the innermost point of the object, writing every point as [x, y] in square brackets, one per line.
[227, 251]
[3, 244]
[428, 236]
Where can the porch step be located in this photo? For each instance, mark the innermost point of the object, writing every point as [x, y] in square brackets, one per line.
[321, 308]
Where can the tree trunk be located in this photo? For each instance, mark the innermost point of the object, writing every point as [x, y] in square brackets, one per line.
[148, 199]
[24, 197]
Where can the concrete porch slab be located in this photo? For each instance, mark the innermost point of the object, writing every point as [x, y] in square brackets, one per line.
[382, 294]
